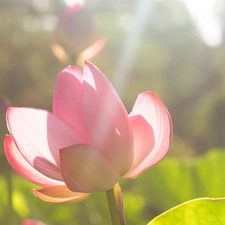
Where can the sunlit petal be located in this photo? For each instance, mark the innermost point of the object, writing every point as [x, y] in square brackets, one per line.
[67, 103]
[150, 107]
[86, 169]
[23, 168]
[39, 135]
[59, 194]
[107, 119]
[143, 139]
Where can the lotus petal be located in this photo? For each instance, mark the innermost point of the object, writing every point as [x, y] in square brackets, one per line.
[107, 119]
[23, 168]
[59, 194]
[39, 135]
[85, 169]
[151, 108]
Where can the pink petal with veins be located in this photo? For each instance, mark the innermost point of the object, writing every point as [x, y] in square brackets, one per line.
[59, 194]
[39, 135]
[150, 108]
[67, 102]
[85, 169]
[23, 168]
[107, 119]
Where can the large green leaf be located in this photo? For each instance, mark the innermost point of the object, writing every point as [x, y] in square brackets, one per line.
[203, 211]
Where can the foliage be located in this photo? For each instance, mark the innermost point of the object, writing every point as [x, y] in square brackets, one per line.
[170, 183]
[171, 60]
[197, 212]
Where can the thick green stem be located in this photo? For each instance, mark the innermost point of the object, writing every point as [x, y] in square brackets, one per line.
[114, 214]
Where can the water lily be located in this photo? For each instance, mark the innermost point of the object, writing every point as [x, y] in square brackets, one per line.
[76, 34]
[89, 141]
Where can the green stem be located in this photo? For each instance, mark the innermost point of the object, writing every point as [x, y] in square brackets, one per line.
[114, 214]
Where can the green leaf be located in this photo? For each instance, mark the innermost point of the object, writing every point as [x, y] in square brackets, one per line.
[203, 211]
[174, 181]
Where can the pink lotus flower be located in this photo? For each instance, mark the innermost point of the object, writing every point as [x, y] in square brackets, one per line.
[32, 222]
[76, 33]
[89, 141]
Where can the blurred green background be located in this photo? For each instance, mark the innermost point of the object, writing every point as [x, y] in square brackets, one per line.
[168, 57]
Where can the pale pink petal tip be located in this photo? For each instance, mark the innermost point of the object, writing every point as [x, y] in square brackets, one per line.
[59, 195]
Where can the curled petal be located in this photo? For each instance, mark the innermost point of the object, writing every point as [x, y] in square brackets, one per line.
[85, 169]
[150, 108]
[67, 102]
[23, 168]
[107, 119]
[59, 194]
[143, 139]
[39, 135]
